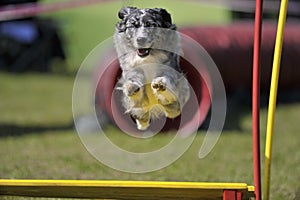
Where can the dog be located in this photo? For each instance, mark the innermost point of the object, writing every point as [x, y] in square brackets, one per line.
[148, 49]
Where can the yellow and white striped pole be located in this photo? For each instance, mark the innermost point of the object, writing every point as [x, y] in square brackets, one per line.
[273, 97]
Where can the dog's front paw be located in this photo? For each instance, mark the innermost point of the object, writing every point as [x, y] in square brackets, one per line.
[159, 84]
[162, 88]
[131, 89]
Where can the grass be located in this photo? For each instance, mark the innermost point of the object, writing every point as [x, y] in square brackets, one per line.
[45, 146]
[35, 99]
[37, 140]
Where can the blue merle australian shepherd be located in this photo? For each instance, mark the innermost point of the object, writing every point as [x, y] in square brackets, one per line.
[148, 48]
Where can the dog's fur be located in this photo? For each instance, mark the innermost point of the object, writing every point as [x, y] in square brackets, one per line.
[152, 82]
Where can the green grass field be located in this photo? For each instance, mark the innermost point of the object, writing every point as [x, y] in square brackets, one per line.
[37, 139]
[45, 146]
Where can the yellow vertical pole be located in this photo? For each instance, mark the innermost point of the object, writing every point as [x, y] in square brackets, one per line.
[273, 97]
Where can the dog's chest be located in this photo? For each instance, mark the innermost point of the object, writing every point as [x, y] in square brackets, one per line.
[152, 105]
[152, 99]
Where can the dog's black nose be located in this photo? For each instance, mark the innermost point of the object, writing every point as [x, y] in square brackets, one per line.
[141, 40]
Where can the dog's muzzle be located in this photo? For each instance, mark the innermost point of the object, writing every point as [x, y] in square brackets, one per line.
[143, 42]
[143, 52]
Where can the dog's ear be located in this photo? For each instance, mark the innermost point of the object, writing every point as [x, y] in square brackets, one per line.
[121, 27]
[126, 11]
[166, 17]
[164, 14]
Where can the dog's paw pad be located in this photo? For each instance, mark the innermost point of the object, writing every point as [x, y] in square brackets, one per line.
[159, 85]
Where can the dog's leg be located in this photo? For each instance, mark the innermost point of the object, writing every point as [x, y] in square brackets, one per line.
[166, 96]
[135, 100]
[133, 84]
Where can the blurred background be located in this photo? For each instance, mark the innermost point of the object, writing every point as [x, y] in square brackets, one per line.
[43, 43]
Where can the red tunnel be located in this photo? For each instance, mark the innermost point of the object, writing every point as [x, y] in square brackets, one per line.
[231, 48]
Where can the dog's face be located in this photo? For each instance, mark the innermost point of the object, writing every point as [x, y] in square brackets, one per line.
[143, 28]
